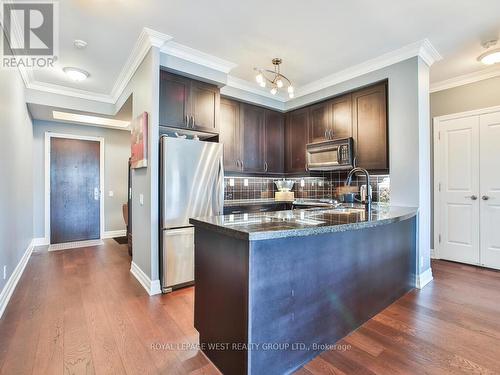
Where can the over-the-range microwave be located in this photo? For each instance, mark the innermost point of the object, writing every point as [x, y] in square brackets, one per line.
[332, 155]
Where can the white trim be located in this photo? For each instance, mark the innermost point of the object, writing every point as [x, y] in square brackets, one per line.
[434, 254]
[197, 57]
[114, 233]
[475, 112]
[465, 79]
[75, 245]
[40, 241]
[152, 287]
[48, 136]
[422, 48]
[11, 284]
[423, 279]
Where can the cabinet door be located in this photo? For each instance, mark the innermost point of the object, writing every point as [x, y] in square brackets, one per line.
[341, 109]
[174, 100]
[297, 128]
[252, 130]
[205, 100]
[370, 128]
[229, 133]
[274, 140]
[320, 122]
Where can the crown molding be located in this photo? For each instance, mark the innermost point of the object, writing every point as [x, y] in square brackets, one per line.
[465, 79]
[197, 57]
[251, 87]
[422, 48]
[70, 91]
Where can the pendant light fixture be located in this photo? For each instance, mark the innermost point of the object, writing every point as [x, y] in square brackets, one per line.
[274, 79]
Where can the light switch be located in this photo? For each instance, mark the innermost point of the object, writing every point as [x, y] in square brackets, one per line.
[111, 193]
[141, 199]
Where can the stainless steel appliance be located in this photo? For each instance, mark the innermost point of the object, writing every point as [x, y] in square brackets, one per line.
[335, 154]
[191, 185]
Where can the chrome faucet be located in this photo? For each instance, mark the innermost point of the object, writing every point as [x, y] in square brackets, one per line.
[368, 200]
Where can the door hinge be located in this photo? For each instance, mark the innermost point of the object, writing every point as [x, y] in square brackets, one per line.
[439, 238]
[439, 186]
[439, 136]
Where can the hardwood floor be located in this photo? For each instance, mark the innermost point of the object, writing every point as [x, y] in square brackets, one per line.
[80, 311]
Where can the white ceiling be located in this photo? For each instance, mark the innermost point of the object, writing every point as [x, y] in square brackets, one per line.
[315, 38]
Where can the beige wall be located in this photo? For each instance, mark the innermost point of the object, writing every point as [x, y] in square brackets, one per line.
[477, 95]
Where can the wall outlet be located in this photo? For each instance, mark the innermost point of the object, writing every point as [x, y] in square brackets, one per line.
[111, 193]
[231, 182]
[245, 182]
[4, 272]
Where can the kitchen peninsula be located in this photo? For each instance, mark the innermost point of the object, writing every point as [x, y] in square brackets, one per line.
[275, 289]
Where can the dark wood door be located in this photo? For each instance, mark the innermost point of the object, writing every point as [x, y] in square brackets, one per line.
[205, 102]
[252, 119]
[274, 140]
[370, 128]
[229, 127]
[341, 110]
[320, 122]
[174, 100]
[74, 190]
[297, 129]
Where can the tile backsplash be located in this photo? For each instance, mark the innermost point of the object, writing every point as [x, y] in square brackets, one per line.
[318, 187]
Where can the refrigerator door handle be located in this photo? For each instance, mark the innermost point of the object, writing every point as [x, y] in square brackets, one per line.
[220, 188]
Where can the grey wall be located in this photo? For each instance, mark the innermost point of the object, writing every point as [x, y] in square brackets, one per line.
[145, 90]
[116, 154]
[477, 95]
[16, 166]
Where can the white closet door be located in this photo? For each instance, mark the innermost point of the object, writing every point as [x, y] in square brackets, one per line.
[459, 198]
[490, 189]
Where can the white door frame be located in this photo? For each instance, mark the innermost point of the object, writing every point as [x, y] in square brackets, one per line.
[48, 136]
[437, 173]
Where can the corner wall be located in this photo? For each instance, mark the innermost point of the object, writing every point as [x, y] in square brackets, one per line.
[16, 181]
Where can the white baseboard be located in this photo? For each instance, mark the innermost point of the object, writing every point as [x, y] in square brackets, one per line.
[152, 287]
[423, 279]
[10, 286]
[434, 254]
[114, 233]
[42, 241]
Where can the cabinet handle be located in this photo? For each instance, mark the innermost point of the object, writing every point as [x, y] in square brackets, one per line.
[265, 166]
[472, 197]
[241, 161]
[326, 133]
[186, 120]
[485, 197]
[330, 133]
[192, 121]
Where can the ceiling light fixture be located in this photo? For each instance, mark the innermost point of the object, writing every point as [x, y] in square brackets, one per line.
[492, 56]
[79, 44]
[76, 74]
[91, 120]
[274, 78]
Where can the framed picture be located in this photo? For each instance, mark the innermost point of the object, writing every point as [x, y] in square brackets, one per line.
[139, 141]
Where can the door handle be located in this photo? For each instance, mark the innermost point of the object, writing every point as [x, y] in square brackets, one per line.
[96, 194]
[485, 197]
[472, 197]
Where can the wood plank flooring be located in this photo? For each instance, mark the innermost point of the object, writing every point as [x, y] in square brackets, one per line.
[80, 311]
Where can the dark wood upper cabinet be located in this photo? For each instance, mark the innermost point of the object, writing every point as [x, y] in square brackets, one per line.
[274, 141]
[205, 106]
[370, 127]
[320, 122]
[341, 115]
[252, 132]
[174, 100]
[297, 131]
[229, 134]
[187, 103]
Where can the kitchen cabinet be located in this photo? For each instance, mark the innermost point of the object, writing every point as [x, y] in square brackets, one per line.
[370, 128]
[187, 103]
[252, 130]
[253, 138]
[297, 131]
[229, 134]
[341, 115]
[274, 142]
[320, 122]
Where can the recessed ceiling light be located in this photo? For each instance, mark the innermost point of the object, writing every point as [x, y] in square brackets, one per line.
[490, 57]
[79, 44]
[76, 74]
[86, 119]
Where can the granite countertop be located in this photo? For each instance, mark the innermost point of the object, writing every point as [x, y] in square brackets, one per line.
[307, 222]
[250, 202]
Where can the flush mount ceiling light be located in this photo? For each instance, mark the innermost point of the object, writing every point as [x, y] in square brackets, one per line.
[492, 56]
[76, 74]
[91, 120]
[79, 44]
[274, 78]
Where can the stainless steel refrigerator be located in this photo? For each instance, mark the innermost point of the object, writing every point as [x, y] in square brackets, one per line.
[191, 185]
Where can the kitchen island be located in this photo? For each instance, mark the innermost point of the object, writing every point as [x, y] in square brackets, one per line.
[275, 289]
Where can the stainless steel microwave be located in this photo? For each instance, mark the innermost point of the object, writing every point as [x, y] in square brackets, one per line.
[331, 155]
